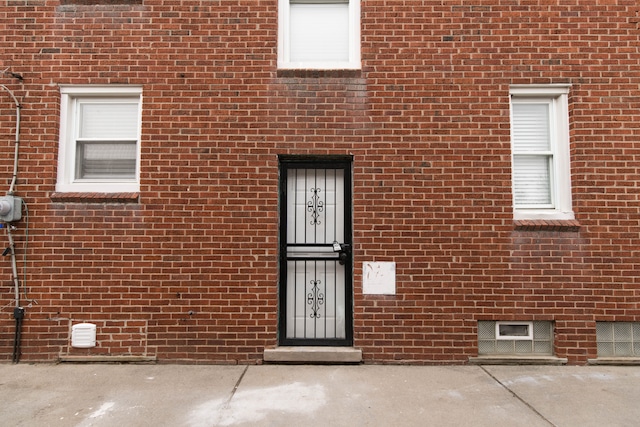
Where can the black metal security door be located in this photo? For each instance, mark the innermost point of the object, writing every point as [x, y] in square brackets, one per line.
[315, 252]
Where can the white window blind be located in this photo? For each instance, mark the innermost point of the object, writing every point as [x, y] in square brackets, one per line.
[108, 120]
[319, 32]
[106, 145]
[533, 155]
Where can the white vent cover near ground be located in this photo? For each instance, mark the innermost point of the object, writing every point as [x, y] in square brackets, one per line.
[83, 335]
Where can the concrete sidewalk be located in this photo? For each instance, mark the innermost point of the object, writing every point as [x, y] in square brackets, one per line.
[270, 395]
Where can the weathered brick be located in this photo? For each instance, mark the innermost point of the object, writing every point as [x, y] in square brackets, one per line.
[187, 269]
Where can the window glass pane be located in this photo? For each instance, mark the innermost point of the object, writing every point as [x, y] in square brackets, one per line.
[106, 160]
[524, 346]
[636, 332]
[532, 180]
[486, 330]
[108, 120]
[531, 127]
[605, 349]
[604, 331]
[319, 32]
[513, 330]
[623, 349]
[505, 346]
[623, 331]
[542, 347]
[486, 347]
[542, 330]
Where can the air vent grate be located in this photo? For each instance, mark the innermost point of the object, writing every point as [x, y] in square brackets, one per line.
[83, 335]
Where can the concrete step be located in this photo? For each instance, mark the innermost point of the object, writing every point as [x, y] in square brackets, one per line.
[304, 354]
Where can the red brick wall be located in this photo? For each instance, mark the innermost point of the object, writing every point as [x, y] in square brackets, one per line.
[187, 269]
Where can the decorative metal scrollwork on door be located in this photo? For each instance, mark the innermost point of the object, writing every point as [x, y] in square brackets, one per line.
[315, 206]
[315, 299]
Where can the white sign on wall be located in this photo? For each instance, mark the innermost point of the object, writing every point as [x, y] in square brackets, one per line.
[379, 278]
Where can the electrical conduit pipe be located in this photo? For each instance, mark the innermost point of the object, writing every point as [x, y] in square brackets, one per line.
[18, 311]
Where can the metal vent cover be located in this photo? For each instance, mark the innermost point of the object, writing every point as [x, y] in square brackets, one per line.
[83, 335]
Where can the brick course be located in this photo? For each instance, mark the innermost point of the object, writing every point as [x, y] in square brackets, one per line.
[187, 269]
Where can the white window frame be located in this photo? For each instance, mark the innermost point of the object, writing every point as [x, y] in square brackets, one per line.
[529, 326]
[556, 96]
[284, 39]
[70, 96]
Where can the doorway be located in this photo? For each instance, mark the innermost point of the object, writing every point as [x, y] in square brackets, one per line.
[315, 252]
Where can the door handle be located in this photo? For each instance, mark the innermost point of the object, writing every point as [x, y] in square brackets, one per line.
[343, 250]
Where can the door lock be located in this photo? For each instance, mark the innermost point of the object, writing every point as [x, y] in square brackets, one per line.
[343, 250]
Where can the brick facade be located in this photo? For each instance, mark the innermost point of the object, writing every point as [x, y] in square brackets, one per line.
[187, 268]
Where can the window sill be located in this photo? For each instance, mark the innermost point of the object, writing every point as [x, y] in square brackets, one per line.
[95, 197]
[517, 360]
[316, 74]
[635, 361]
[100, 2]
[546, 225]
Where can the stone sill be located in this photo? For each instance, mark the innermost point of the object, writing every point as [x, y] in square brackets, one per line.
[517, 360]
[325, 355]
[547, 225]
[318, 73]
[621, 361]
[95, 197]
[107, 359]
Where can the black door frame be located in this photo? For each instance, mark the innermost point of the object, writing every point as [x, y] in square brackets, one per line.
[287, 162]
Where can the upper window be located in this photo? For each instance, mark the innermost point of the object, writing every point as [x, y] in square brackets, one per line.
[540, 152]
[319, 34]
[99, 139]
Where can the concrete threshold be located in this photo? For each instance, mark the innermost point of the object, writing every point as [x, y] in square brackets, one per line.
[329, 355]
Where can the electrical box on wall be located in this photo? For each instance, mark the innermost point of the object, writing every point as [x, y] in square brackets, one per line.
[10, 208]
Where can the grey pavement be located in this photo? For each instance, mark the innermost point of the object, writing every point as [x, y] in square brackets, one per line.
[306, 395]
